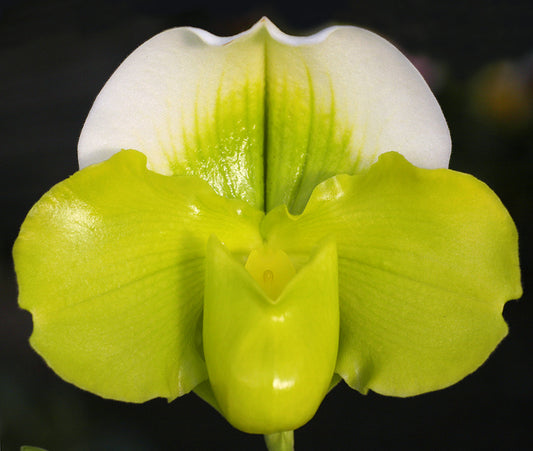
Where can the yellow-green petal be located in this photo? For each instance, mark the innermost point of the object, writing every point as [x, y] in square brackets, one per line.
[110, 263]
[270, 360]
[427, 259]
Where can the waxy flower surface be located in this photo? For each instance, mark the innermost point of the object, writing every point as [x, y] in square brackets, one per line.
[258, 217]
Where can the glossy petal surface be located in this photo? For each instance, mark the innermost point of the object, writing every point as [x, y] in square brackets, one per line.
[110, 263]
[427, 258]
[263, 116]
[193, 104]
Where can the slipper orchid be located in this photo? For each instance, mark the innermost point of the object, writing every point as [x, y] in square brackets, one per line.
[283, 219]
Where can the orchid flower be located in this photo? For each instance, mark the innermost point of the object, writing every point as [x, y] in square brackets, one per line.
[258, 217]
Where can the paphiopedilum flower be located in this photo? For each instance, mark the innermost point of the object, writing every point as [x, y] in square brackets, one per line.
[282, 220]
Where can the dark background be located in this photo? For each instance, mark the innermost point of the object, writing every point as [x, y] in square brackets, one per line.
[54, 58]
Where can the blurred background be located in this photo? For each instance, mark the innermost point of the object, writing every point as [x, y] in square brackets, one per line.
[55, 56]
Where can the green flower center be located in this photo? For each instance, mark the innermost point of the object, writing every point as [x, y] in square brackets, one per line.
[271, 268]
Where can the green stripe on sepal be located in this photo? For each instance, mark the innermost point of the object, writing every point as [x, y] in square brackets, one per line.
[270, 361]
[191, 106]
[264, 116]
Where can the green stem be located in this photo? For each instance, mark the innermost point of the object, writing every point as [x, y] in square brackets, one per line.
[280, 441]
